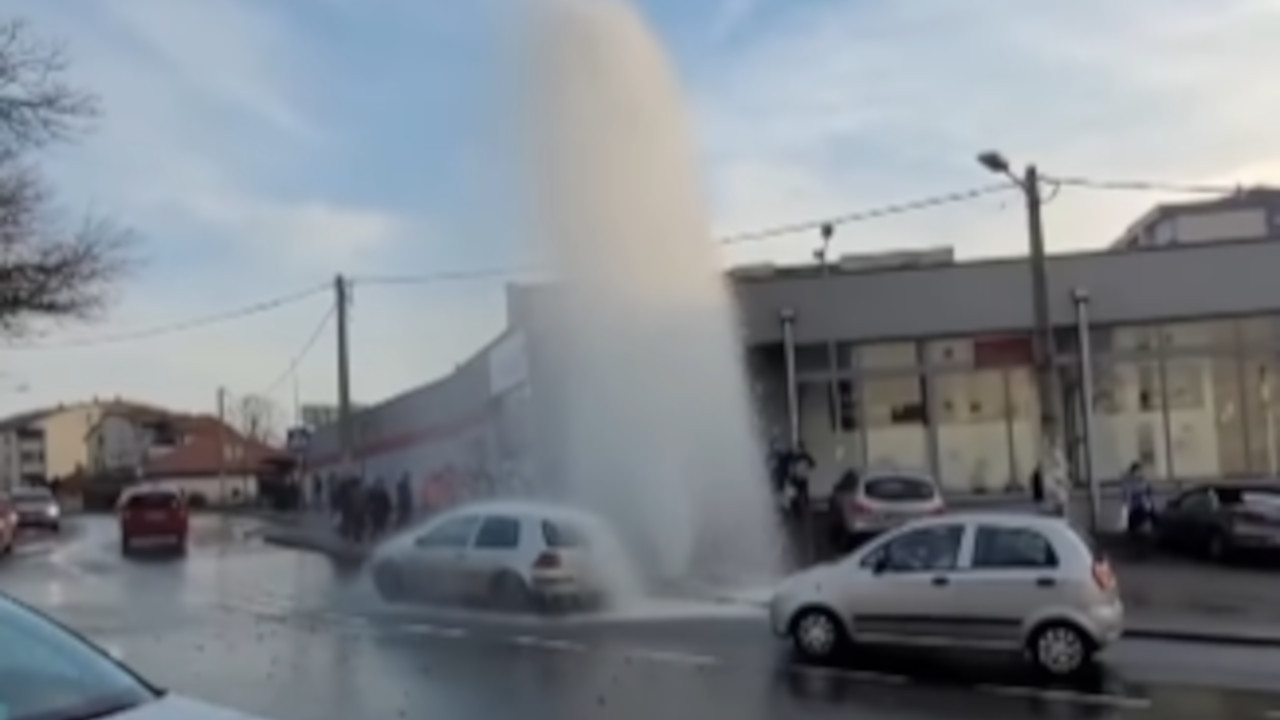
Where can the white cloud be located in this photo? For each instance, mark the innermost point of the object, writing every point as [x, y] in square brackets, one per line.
[189, 89]
[853, 104]
[729, 15]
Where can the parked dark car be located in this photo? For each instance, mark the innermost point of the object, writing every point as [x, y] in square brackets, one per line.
[1220, 519]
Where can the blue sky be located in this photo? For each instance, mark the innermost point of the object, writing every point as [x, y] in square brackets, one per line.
[259, 146]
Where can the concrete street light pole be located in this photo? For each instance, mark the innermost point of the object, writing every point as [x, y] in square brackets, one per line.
[1043, 345]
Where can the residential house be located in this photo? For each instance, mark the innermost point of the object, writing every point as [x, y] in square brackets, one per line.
[199, 454]
[22, 450]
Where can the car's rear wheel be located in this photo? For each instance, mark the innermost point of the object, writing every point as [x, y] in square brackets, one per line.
[1060, 649]
[509, 592]
[818, 634]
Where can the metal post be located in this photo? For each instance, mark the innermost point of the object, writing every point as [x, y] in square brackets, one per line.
[788, 317]
[1081, 298]
[1045, 351]
[345, 438]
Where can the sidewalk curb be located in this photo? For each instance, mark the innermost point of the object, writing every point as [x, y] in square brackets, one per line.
[1205, 638]
[291, 538]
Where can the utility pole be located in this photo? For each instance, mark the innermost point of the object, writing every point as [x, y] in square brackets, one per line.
[1044, 351]
[345, 439]
[222, 444]
[1045, 347]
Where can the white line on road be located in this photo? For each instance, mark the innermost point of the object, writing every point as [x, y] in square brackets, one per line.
[666, 656]
[1126, 702]
[547, 643]
[433, 630]
[859, 675]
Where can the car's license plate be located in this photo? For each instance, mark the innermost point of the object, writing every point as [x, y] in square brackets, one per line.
[157, 516]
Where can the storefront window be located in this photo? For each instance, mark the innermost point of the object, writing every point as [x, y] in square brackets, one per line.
[1207, 334]
[1260, 375]
[888, 356]
[974, 438]
[1128, 418]
[896, 419]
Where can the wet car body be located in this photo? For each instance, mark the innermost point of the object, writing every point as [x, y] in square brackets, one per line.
[513, 556]
[50, 672]
[974, 581]
[152, 517]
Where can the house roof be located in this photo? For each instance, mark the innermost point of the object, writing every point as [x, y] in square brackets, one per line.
[200, 452]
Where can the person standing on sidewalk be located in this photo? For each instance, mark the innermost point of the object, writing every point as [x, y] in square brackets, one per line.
[1139, 502]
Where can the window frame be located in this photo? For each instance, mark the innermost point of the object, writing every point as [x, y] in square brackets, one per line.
[421, 542]
[486, 520]
[978, 529]
[869, 560]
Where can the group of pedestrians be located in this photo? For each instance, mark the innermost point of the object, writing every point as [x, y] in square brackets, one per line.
[365, 511]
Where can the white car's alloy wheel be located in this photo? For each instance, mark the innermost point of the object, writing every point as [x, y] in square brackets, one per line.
[1060, 650]
[816, 634]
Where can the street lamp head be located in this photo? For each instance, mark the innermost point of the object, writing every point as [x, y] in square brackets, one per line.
[994, 161]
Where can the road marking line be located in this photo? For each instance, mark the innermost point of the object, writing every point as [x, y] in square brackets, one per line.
[547, 643]
[1127, 702]
[859, 675]
[673, 657]
[433, 630]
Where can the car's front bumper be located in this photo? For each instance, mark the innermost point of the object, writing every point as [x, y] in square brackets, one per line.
[1107, 622]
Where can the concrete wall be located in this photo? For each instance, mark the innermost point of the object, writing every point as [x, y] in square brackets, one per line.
[988, 297]
[452, 433]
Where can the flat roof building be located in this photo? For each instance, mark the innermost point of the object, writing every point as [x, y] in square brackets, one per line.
[933, 370]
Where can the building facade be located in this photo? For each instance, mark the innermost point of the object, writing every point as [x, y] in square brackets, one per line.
[1252, 214]
[923, 363]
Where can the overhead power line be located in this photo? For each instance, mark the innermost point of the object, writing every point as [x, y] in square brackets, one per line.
[1145, 186]
[307, 347]
[446, 276]
[182, 326]
[868, 214]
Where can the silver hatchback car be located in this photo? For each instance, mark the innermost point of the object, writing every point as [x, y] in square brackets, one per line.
[990, 581]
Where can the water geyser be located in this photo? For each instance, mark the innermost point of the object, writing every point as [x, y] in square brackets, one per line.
[655, 416]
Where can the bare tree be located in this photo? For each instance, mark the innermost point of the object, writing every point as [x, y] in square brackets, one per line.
[48, 268]
[257, 417]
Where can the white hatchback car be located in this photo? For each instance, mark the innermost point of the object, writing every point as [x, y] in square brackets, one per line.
[1000, 581]
[505, 554]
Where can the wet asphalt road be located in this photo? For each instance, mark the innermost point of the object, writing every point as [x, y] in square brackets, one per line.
[284, 634]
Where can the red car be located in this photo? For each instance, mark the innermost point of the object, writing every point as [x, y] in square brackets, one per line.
[153, 517]
[8, 524]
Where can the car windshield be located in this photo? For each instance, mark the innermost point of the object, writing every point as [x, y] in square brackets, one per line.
[152, 501]
[47, 673]
[899, 489]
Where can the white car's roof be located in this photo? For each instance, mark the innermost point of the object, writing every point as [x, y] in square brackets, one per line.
[1046, 523]
[523, 508]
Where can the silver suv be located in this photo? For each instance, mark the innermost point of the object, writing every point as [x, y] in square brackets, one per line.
[975, 580]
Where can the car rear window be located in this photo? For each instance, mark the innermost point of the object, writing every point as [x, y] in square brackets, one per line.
[899, 489]
[559, 534]
[152, 501]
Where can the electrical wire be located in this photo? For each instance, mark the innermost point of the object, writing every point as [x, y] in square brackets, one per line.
[869, 214]
[1147, 186]
[177, 327]
[307, 347]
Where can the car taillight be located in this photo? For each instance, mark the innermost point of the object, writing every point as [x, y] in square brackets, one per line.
[1103, 576]
[547, 561]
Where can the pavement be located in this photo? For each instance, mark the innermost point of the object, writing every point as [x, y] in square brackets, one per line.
[280, 633]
